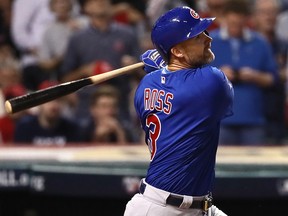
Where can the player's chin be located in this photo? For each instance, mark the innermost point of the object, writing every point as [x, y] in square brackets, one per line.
[209, 56]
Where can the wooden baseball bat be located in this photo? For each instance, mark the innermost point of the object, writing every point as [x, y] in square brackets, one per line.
[45, 95]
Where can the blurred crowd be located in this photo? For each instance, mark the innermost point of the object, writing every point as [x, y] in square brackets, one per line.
[47, 42]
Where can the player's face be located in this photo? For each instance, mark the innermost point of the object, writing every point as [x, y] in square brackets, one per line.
[197, 51]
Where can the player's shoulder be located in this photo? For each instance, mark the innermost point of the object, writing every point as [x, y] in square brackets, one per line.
[214, 71]
[149, 79]
[152, 75]
[214, 75]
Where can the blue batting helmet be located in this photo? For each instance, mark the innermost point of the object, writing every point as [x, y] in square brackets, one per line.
[175, 26]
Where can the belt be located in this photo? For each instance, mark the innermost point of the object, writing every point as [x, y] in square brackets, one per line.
[176, 200]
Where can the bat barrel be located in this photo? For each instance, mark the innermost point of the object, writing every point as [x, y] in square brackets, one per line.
[45, 95]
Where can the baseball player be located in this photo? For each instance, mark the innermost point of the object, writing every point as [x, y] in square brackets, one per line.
[180, 105]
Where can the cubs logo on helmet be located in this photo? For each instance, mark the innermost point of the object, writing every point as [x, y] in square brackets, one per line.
[194, 14]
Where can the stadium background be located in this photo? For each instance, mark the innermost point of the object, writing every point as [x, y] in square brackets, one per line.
[99, 180]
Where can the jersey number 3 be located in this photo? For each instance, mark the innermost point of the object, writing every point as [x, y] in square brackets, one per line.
[154, 125]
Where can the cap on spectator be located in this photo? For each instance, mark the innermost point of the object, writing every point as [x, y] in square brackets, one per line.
[102, 67]
[14, 91]
[47, 84]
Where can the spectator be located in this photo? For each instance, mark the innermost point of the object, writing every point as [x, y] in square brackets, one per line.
[7, 122]
[284, 4]
[247, 60]
[10, 86]
[7, 54]
[282, 22]
[265, 17]
[30, 19]
[105, 126]
[213, 8]
[156, 8]
[47, 127]
[5, 23]
[57, 34]
[10, 72]
[282, 34]
[126, 13]
[102, 46]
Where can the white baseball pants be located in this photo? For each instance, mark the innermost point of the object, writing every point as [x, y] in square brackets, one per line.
[153, 203]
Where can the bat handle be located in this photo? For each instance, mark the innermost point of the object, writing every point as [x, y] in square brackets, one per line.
[117, 72]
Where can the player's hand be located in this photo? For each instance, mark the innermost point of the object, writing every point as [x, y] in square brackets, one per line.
[152, 60]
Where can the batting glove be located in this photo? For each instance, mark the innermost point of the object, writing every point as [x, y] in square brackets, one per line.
[152, 60]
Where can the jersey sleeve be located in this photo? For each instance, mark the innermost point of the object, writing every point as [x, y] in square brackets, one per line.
[224, 94]
[138, 99]
[229, 86]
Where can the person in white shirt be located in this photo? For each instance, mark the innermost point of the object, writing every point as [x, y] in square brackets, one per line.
[30, 19]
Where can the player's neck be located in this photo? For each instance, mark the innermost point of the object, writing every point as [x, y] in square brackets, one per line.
[176, 63]
[174, 66]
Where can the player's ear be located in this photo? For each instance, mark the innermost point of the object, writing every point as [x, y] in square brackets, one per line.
[176, 51]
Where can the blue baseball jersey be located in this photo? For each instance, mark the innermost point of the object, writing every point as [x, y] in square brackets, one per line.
[180, 113]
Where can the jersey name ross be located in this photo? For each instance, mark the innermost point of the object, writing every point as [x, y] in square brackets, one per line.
[155, 99]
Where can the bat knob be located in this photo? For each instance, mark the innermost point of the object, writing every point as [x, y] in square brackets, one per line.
[8, 107]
